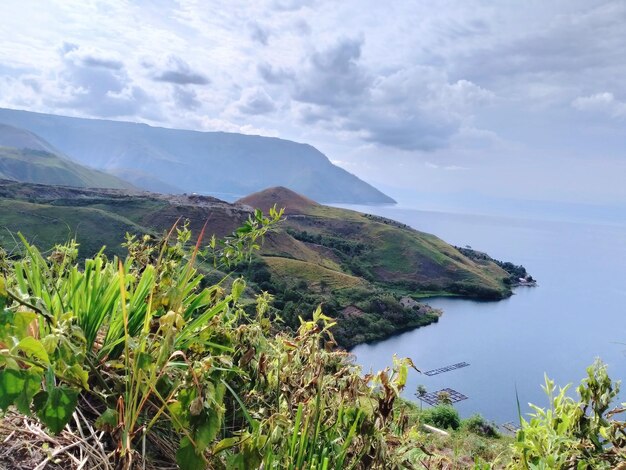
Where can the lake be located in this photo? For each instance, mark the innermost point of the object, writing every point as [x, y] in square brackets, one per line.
[575, 314]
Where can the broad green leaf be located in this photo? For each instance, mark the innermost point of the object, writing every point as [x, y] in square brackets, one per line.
[57, 408]
[77, 371]
[32, 385]
[33, 348]
[187, 458]
[225, 444]
[207, 431]
[144, 360]
[11, 385]
[107, 420]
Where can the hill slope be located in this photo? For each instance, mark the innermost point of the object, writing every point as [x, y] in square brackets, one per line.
[39, 166]
[26, 157]
[15, 137]
[381, 250]
[202, 162]
[367, 271]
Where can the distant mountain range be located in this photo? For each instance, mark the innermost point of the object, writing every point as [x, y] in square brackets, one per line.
[28, 158]
[176, 161]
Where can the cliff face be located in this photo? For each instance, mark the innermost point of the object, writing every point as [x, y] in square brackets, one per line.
[202, 162]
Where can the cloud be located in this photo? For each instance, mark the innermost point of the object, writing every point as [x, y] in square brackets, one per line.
[413, 108]
[334, 76]
[185, 98]
[435, 166]
[259, 33]
[274, 75]
[601, 103]
[91, 81]
[255, 101]
[89, 57]
[291, 5]
[179, 72]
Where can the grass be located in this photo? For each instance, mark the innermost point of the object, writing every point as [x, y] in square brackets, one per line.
[46, 225]
[314, 274]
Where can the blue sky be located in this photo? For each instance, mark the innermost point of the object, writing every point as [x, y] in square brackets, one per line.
[522, 99]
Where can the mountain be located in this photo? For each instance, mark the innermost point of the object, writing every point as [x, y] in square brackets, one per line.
[15, 137]
[280, 197]
[367, 271]
[26, 157]
[201, 162]
[377, 249]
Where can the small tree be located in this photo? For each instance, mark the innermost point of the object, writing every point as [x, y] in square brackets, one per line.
[420, 392]
[443, 398]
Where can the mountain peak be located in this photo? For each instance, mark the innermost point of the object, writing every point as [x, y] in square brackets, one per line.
[293, 202]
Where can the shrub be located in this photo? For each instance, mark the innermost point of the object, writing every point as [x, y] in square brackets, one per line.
[579, 434]
[442, 416]
[478, 425]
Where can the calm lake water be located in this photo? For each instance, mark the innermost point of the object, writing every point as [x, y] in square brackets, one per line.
[575, 315]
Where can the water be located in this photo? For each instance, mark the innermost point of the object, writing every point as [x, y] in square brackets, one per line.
[575, 315]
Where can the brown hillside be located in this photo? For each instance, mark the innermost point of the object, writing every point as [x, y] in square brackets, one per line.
[293, 202]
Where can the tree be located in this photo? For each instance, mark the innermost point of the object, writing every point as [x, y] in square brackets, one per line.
[443, 398]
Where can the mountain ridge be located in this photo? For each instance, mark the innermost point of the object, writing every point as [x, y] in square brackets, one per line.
[197, 161]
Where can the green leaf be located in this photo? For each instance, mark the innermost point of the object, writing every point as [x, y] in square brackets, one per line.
[11, 385]
[32, 385]
[144, 360]
[187, 458]
[33, 348]
[225, 444]
[239, 285]
[107, 420]
[77, 371]
[55, 408]
[21, 321]
[207, 431]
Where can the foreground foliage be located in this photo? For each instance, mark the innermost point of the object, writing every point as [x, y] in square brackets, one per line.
[171, 370]
[141, 363]
[580, 434]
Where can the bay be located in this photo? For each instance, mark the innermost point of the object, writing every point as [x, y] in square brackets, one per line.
[575, 314]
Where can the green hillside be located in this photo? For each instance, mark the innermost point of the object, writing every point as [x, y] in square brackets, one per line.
[365, 270]
[379, 250]
[27, 157]
[39, 166]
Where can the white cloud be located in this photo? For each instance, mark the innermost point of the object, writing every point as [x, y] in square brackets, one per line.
[255, 101]
[466, 81]
[601, 103]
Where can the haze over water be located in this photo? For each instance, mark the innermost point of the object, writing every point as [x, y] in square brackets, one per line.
[575, 315]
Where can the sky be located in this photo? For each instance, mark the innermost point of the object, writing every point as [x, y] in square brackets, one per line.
[515, 99]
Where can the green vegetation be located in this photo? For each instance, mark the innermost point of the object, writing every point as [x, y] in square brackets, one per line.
[516, 272]
[366, 271]
[581, 434]
[142, 363]
[442, 416]
[42, 167]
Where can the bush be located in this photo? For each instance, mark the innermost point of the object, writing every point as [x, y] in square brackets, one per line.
[442, 416]
[478, 425]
